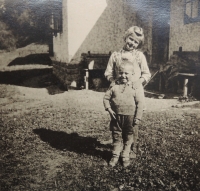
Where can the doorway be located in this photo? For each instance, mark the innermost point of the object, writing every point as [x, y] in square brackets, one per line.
[160, 32]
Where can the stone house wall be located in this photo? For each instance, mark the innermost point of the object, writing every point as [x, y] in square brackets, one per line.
[107, 31]
[182, 35]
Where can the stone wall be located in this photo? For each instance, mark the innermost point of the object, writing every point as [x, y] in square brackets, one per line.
[72, 75]
[182, 35]
[69, 75]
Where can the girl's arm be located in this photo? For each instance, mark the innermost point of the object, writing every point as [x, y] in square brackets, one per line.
[145, 73]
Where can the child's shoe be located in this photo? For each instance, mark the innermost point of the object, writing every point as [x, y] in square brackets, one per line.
[133, 152]
[113, 161]
[126, 162]
[132, 155]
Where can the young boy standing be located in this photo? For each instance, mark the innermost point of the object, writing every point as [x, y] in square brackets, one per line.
[134, 39]
[125, 106]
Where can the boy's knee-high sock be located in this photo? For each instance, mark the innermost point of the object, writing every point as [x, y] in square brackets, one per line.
[127, 146]
[117, 142]
[117, 147]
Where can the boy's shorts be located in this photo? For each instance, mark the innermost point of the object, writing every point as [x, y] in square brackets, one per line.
[122, 123]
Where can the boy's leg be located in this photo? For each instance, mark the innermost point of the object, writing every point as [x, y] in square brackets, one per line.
[126, 150]
[127, 139]
[117, 141]
[135, 131]
[135, 142]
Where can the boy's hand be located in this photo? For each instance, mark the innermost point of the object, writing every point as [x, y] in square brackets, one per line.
[111, 80]
[112, 84]
[138, 83]
[136, 121]
[112, 113]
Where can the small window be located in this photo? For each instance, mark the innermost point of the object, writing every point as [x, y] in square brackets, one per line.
[192, 11]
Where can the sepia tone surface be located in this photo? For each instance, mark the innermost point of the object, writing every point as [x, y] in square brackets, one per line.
[54, 133]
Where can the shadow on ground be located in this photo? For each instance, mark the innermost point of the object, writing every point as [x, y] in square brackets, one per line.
[42, 59]
[34, 78]
[73, 142]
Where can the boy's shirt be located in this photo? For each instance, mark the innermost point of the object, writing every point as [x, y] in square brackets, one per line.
[125, 100]
[136, 57]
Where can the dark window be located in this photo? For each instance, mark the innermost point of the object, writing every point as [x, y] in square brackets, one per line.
[192, 11]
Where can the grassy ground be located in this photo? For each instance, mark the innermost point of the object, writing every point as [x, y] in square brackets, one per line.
[52, 140]
[62, 142]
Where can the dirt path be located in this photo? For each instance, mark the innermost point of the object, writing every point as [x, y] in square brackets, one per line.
[14, 96]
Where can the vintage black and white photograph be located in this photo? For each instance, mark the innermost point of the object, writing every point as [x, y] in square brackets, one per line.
[99, 95]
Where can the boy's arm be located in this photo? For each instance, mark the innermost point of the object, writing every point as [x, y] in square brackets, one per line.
[106, 99]
[139, 101]
[109, 73]
[106, 102]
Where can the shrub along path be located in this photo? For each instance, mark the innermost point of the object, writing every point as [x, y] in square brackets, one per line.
[62, 142]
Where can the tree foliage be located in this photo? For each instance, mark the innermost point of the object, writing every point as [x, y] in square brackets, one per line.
[7, 39]
[26, 21]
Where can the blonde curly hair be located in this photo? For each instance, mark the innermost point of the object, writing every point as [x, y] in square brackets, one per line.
[137, 33]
